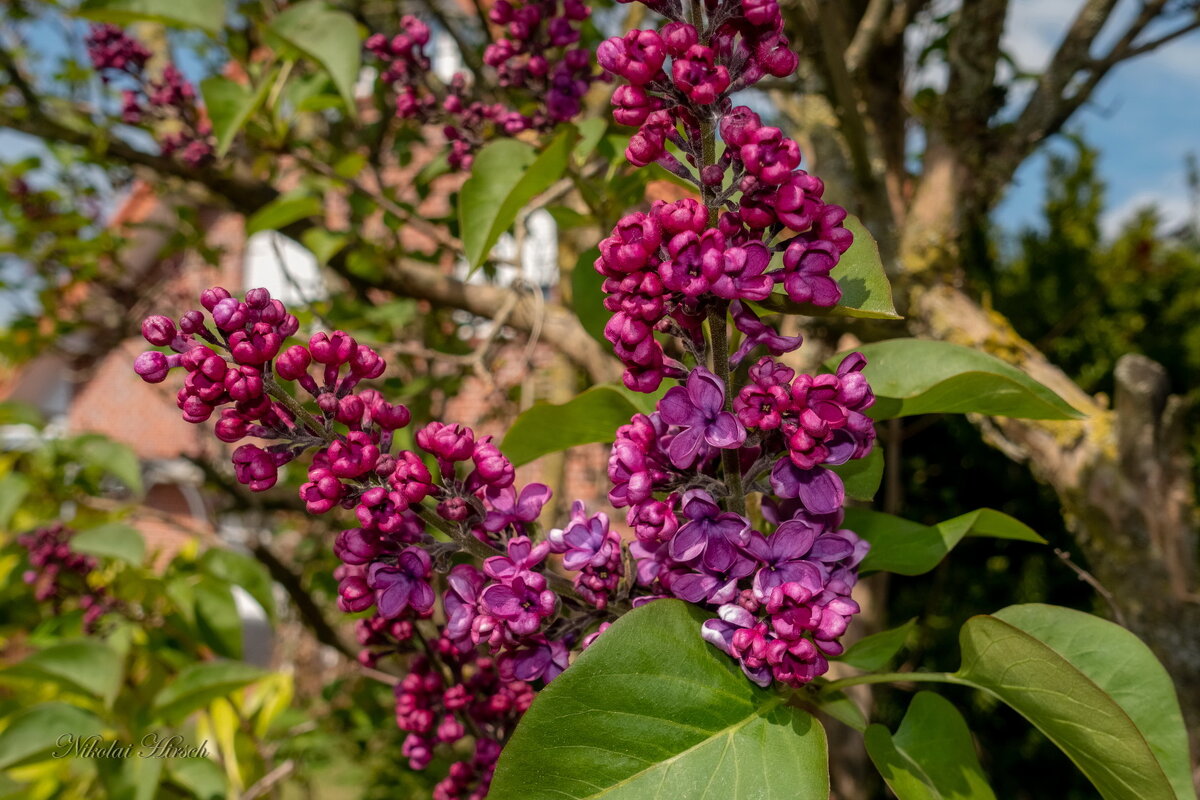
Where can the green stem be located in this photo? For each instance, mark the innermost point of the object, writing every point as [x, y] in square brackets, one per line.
[730, 461]
[894, 677]
[298, 411]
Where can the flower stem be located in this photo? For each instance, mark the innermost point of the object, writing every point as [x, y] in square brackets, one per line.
[730, 462]
[894, 677]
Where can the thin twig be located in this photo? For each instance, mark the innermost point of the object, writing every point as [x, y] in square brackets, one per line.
[1091, 580]
[267, 782]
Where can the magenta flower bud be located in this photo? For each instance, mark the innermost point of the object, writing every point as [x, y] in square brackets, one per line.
[646, 146]
[687, 214]
[390, 417]
[447, 442]
[350, 410]
[491, 467]
[332, 349]
[455, 509]
[712, 175]
[678, 37]
[230, 315]
[770, 156]
[501, 12]
[152, 366]
[354, 594]
[737, 125]
[637, 57]
[366, 363]
[775, 55]
[258, 299]
[698, 75]
[632, 243]
[232, 426]
[631, 105]
[293, 363]
[288, 326]
[273, 313]
[763, 13]
[243, 383]
[210, 297]
[194, 409]
[158, 330]
[255, 467]
[191, 322]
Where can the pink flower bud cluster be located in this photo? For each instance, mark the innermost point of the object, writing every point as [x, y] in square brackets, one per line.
[536, 58]
[170, 97]
[59, 574]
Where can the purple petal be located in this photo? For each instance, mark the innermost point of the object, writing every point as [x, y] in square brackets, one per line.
[841, 448]
[820, 490]
[692, 586]
[533, 498]
[831, 548]
[792, 540]
[676, 407]
[706, 392]
[688, 542]
[501, 601]
[685, 446]
[719, 634]
[725, 432]
[422, 597]
[393, 599]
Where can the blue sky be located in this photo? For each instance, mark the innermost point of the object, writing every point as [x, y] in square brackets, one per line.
[1144, 118]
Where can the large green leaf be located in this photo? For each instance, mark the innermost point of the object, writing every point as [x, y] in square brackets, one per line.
[197, 685]
[115, 458]
[13, 489]
[917, 376]
[328, 36]
[593, 416]
[652, 711]
[112, 540]
[230, 104]
[217, 616]
[240, 570]
[208, 15]
[910, 548]
[931, 756]
[505, 176]
[200, 776]
[36, 733]
[877, 651]
[283, 211]
[86, 666]
[864, 284]
[862, 476]
[1093, 688]
[587, 296]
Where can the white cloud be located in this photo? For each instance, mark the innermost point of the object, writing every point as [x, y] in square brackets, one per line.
[1174, 210]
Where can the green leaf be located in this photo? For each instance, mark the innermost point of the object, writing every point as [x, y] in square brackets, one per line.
[593, 416]
[229, 105]
[283, 211]
[324, 244]
[916, 376]
[866, 292]
[839, 706]
[1093, 688]
[328, 36]
[112, 540]
[910, 548]
[217, 616]
[240, 570]
[200, 776]
[86, 665]
[36, 733]
[115, 458]
[931, 756]
[862, 476]
[197, 685]
[653, 711]
[587, 298]
[208, 15]
[13, 489]
[505, 176]
[877, 651]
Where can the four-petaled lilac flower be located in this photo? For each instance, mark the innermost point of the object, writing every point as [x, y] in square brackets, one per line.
[542, 659]
[460, 603]
[522, 557]
[820, 490]
[700, 410]
[403, 585]
[584, 542]
[510, 509]
[711, 535]
[522, 606]
[785, 557]
[720, 632]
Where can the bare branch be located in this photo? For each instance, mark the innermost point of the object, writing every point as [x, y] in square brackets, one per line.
[870, 30]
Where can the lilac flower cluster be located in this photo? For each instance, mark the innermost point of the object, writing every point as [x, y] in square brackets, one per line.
[59, 573]
[168, 98]
[501, 627]
[537, 56]
[665, 268]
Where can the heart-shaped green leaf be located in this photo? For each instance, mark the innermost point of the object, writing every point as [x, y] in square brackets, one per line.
[593, 416]
[859, 272]
[112, 540]
[877, 651]
[197, 685]
[43, 731]
[86, 666]
[328, 36]
[1093, 688]
[910, 548]
[931, 755]
[208, 15]
[505, 176]
[652, 711]
[229, 105]
[918, 376]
